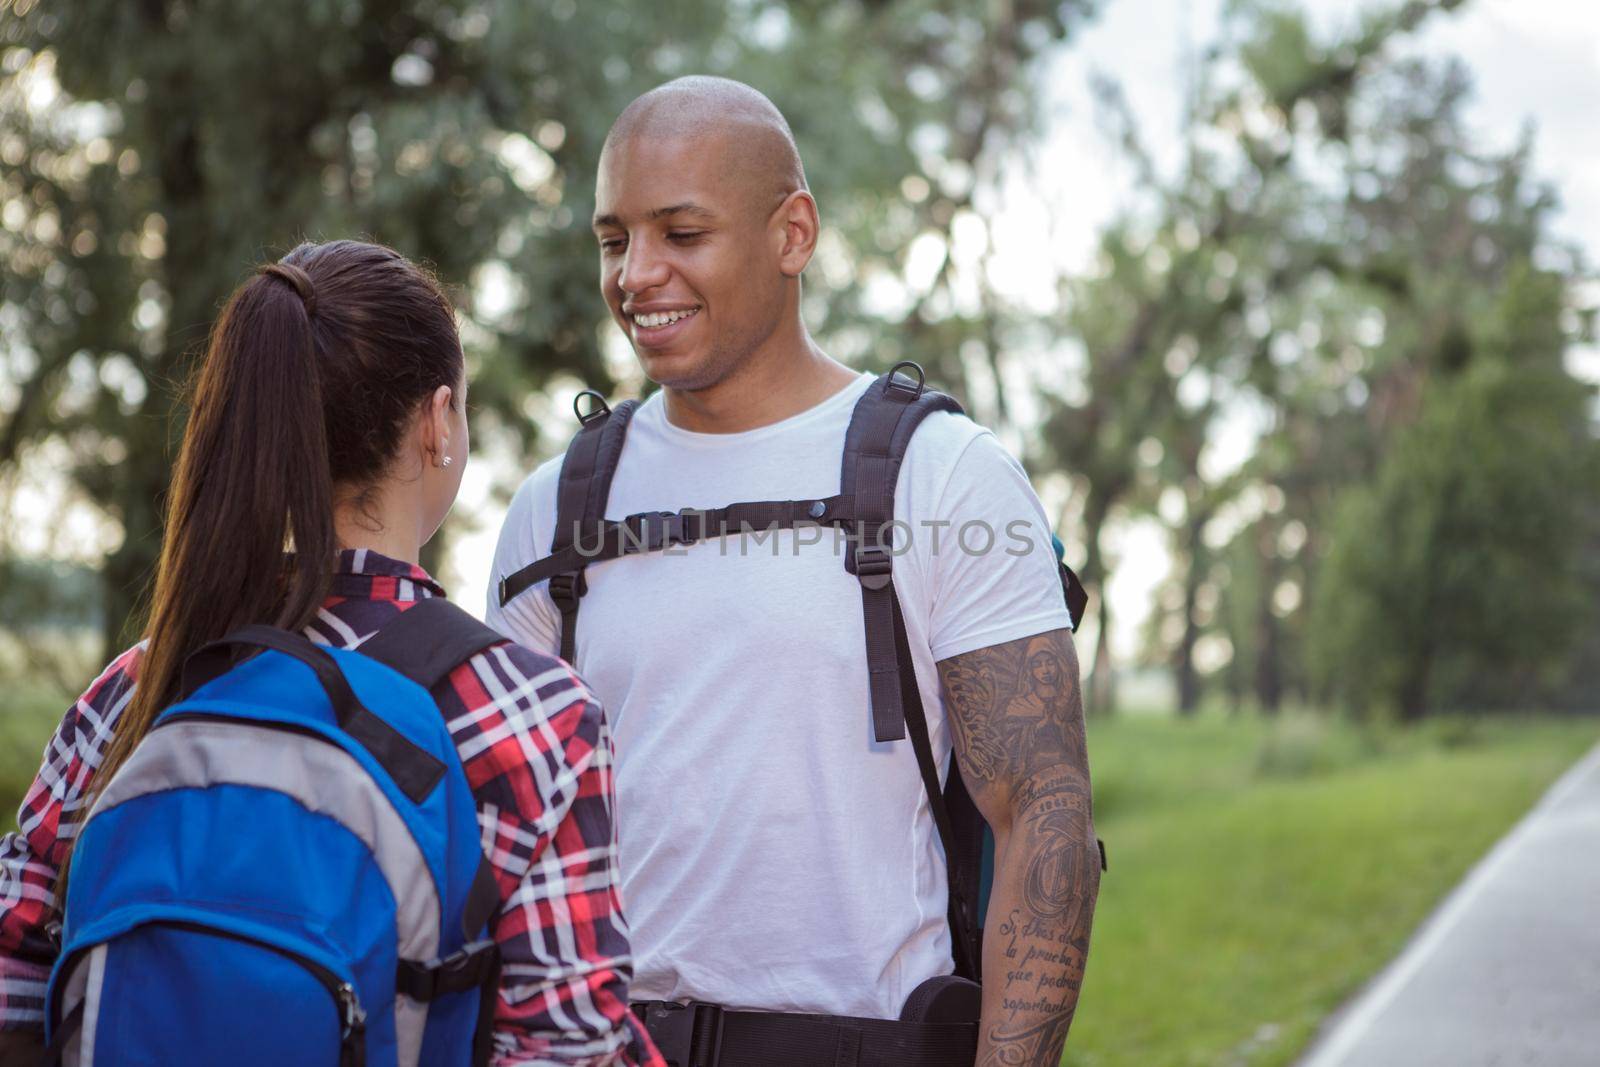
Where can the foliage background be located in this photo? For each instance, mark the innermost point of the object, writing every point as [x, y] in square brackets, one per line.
[1327, 354]
[1336, 261]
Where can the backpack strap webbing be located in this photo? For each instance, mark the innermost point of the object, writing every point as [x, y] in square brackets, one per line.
[649, 531]
[413, 770]
[428, 640]
[425, 643]
[880, 429]
[581, 495]
[885, 417]
[955, 816]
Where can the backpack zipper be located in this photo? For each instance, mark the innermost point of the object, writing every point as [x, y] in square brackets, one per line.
[352, 1017]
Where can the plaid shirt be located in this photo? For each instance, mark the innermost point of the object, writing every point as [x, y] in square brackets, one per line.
[562, 935]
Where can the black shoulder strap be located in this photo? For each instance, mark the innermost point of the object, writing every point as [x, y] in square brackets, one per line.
[581, 496]
[429, 640]
[425, 643]
[582, 492]
[886, 416]
[589, 466]
[880, 429]
[955, 816]
[413, 770]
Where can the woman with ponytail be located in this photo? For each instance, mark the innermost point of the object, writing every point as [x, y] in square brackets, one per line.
[325, 444]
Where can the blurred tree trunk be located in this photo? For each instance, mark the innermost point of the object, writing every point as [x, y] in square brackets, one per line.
[1101, 696]
[194, 290]
[129, 570]
[1194, 570]
[1102, 680]
[1269, 652]
[1414, 687]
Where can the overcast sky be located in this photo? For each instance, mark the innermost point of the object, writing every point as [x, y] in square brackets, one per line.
[1533, 61]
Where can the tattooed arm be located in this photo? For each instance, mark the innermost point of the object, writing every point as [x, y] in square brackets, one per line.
[1017, 719]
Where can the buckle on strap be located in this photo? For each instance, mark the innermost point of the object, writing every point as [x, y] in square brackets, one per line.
[565, 589]
[472, 966]
[873, 565]
[654, 530]
[675, 1027]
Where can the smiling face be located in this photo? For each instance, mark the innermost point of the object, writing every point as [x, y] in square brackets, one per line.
[692, 259]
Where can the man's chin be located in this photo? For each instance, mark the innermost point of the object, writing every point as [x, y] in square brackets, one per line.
[680, 371]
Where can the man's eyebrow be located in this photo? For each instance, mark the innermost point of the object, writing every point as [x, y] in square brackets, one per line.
[688, 207]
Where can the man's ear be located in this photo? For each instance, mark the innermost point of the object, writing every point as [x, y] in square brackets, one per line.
[435, 425]
[796, 219]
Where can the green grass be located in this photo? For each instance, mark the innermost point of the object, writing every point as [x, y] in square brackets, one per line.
[1261, 872]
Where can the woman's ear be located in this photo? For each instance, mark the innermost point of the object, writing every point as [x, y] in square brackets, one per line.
[436, 426]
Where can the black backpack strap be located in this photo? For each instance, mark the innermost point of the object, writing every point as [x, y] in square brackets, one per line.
[476, 965]
[885, 417]
[63, 1034]
[414, 770]
[581, 495]
[650, 531]
[955, 816]
[429, 640]
[880, 429]
[425, 643]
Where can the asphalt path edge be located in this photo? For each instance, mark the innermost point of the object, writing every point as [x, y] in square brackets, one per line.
[1348, 1025]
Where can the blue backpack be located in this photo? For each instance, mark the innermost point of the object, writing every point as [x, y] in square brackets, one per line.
[287, 869]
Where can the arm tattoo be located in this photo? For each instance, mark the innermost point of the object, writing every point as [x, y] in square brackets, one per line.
[1016, 708]
[1017, 721]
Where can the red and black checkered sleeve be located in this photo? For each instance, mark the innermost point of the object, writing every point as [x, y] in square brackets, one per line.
[30, 857]
[537, 753]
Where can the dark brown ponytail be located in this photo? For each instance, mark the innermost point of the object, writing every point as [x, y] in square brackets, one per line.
[313, 371]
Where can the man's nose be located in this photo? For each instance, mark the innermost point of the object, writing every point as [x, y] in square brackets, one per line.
[642, 268]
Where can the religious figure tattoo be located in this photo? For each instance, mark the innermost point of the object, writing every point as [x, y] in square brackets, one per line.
[1017, 721]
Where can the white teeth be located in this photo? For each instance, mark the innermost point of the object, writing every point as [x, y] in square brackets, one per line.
[662, 318]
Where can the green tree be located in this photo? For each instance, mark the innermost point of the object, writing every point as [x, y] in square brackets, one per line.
[1201, 293]
[142, 179]
[1452, 580]
[1336, 252]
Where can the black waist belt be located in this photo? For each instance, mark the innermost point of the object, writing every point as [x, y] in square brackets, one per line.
[706, 1035]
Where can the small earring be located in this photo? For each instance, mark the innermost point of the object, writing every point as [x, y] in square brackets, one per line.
[445, 462]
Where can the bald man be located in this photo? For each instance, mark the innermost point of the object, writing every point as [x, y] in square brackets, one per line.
[776, 858]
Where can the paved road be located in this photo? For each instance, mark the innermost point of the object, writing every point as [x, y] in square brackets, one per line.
[1507, 972]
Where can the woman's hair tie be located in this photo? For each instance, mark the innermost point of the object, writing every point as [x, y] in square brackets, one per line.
[299, 279]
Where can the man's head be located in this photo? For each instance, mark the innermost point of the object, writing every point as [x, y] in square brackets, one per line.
[704, 224]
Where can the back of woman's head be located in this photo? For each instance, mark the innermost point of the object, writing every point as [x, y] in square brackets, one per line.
[314, 371]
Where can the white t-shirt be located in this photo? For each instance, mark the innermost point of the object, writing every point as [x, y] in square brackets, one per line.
[774, 855]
